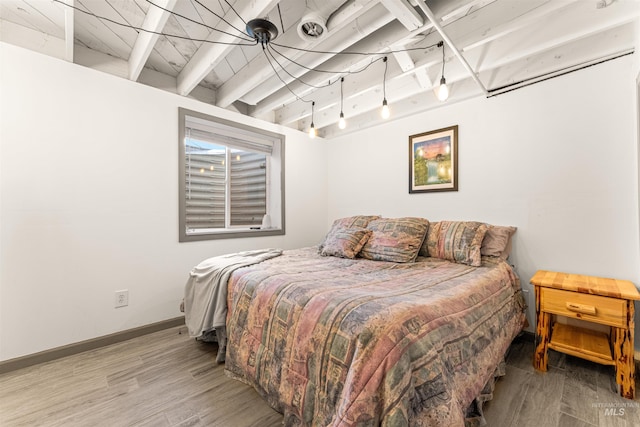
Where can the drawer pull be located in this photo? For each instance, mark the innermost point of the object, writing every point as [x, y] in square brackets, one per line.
[581, 308]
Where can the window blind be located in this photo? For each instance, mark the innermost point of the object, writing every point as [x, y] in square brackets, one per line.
[210, 197]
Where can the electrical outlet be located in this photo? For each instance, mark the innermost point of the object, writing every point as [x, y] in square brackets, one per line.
[122, 298]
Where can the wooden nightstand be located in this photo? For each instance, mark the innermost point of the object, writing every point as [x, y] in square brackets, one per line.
[592, 299]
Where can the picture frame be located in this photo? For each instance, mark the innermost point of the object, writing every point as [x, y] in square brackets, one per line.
[433, 161]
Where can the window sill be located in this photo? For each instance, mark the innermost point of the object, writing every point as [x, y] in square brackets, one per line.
[230, 234]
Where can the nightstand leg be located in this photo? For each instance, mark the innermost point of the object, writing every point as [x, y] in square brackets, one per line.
[543, 335]
[623, 356]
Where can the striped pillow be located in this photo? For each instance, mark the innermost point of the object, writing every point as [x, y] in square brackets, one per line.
[345, 242]
[457, 241]
[349, 222]
[395, 239]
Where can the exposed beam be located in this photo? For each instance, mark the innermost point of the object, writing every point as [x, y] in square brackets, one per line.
[581, 21]
[531, 17]
[429, 14]
[405, 13]
[406, 64]
[154, 22]
[389, 35]
[413, 104]
[423, 78]
[404, 60]
[362, 27]
[464, 9]
[500, 65]
[214, 51]
[69, 30]
[463, 29]
[258, 71]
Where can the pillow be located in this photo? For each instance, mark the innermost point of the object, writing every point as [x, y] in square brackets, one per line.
[348, 222]
[431, 240]
[345, 242]
[457, 241]
[395, 239]
[497, 241]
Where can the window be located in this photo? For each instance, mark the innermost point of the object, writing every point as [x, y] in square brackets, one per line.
[231, 179]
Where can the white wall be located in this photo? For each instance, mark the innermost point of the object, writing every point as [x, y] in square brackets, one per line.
[88, 189]
[557, 159]
[89, 202]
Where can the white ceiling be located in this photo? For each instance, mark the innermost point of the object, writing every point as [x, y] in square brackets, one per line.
[490, 46]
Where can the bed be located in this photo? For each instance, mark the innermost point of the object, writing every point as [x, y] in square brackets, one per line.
[390, 322]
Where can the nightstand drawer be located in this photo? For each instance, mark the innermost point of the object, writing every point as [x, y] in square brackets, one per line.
[593, 308]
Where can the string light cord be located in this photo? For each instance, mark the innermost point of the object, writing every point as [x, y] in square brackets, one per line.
[384, 79]
[441, 44]
[252, 42]
[346, 52]
[102, 18]
[234, 11]
[341, 94]
[221, 18]
[299, 98]
[243, 37]
[268, 49]
[324, 71]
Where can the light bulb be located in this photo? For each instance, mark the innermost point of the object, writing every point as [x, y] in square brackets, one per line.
[342, 123]
[443, 90]
[385, 113]
[312, 131]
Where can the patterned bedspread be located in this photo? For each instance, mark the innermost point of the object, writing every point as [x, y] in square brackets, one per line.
[336, 342]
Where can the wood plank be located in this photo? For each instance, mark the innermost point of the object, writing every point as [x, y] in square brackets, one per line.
[543, 335]
[623, 356]
[169, 379]
[606, 310]
[586, 284]
[508, 398]
[580, 391]
[581, 342]
[154, 22]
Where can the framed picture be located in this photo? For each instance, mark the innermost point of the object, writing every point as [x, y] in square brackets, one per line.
[433, 161]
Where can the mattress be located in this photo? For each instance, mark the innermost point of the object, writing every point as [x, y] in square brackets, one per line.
[329, 341]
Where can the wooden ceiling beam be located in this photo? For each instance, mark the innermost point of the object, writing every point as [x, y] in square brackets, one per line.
[258, 71]
[361, 28]
[212, 52]
[154, 22]
[405, 13]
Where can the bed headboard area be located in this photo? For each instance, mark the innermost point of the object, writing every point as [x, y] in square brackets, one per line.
[404, 239]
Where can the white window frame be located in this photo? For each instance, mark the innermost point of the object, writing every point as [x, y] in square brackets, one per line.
[232, 133]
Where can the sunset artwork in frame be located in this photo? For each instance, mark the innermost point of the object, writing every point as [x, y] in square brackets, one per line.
[433, 161]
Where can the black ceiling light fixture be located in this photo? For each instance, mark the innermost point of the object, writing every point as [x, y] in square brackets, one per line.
[262, 30]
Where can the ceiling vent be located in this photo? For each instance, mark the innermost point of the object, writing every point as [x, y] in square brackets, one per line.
[312, 26]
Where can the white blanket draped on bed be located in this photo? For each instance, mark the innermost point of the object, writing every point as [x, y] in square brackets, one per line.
[205, 294]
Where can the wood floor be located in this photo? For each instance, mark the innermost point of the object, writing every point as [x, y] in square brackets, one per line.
[168, 379]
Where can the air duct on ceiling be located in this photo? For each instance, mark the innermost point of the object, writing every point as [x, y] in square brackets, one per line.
[312, 26]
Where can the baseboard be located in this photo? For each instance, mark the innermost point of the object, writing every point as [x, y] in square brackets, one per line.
[82, 346]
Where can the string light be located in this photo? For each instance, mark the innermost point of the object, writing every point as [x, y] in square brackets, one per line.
[385, 113]
[312, 129]
[342, 123]
[443, 91]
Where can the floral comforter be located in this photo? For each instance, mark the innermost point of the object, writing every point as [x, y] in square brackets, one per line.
[337, 342]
